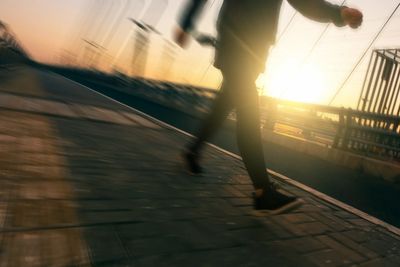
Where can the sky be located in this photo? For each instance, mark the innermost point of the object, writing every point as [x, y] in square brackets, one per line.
[50, 30]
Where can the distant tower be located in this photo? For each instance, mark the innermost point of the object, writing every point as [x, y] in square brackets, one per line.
[140, 48]
[381, 86]
[167, 60]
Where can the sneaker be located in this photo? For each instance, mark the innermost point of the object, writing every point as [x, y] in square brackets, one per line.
[276, 202]
[191, 160]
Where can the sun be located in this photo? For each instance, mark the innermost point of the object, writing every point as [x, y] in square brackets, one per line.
[293, 81]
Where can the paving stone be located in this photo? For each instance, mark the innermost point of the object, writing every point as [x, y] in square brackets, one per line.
[64, 247]
[106, 205]
[108, 189]
[277, 229]
[140, 120]
[219, 206]
[345, 214]
[156, 245]
[199, 237]
[183, 214]
[292, 228]
[33, 144]
[40, 214]
[305, 244]
[111, 217]
[3, 214]
[17, 102]
[43, 172]
[245, 188]
[354, 246]
[386, 232]
[328, 257]
[333, 222]
[237, 202]
[381, 247]
[232, 191]
[36, 105]
[104, 245]
[241, 178]
[314, 228]
[306, 208]
[357, 235]
[297, 218]
[251, 236]
[43, 190]
[33, 159]
[100, 114]
[347, 255]
[236, 256]
[307, 228]
[6, 140]
[217, 224]
[57, 108]
[361, 223]
[379, 262]
[395, 258]
[140, 230]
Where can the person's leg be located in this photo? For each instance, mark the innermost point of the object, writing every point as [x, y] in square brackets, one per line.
[220, 109]
[246, 101]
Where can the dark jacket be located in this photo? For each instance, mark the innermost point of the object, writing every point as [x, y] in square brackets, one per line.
[248, 27]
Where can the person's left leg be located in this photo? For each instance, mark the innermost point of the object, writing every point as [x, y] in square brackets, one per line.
[220, 109]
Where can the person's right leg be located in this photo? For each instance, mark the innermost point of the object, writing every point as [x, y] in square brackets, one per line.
[220, 109]
[246, 101]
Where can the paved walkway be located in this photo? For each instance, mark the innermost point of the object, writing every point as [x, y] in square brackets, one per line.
[92, 183]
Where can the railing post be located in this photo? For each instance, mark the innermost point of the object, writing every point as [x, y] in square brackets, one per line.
[340, 130]
[347, 129]
[270, 117]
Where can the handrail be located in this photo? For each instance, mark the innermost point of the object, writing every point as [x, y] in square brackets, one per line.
[366, 133]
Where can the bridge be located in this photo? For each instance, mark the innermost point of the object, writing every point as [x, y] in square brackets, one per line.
[91, 176]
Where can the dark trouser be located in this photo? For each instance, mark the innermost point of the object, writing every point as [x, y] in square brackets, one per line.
[239, 92]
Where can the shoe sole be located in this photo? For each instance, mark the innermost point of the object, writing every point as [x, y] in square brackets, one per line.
[284, 209]
[187, 166]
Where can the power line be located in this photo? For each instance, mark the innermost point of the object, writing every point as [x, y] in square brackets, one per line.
[309, 54]
[286, 28]
[312, 48]
[364, 54]
[319, 39]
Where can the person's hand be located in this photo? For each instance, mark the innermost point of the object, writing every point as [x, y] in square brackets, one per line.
[352, 17]
[181, 37]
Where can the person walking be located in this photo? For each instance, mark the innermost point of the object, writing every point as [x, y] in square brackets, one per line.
[246, 30]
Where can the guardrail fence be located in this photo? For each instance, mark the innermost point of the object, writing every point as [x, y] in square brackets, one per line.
[367, 133]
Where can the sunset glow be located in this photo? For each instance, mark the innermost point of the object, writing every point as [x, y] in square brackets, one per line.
[294, 81]
[52, 29]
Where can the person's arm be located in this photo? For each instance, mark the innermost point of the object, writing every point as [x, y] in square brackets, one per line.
[187, 21]
[190, 14]
[323, 11]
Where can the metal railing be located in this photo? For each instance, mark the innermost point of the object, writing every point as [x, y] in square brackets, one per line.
[381, 86]
[369, 134]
